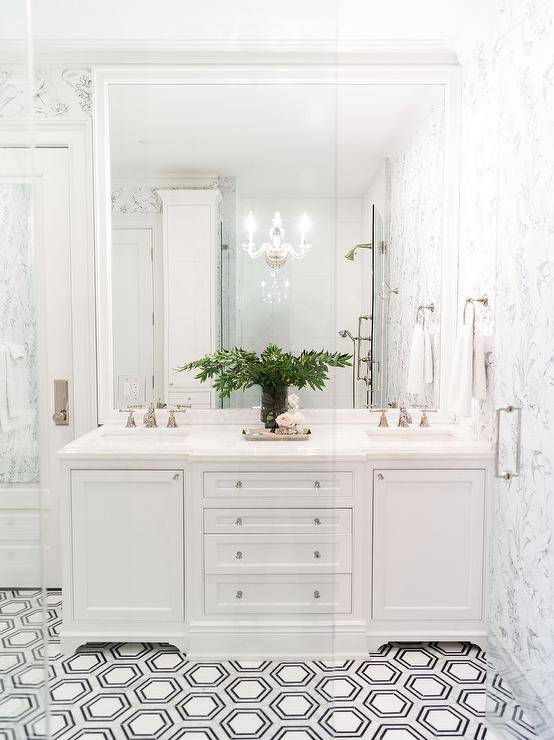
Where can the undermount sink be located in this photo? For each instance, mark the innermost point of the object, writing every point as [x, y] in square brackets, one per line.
[144, 436]
[412, 435]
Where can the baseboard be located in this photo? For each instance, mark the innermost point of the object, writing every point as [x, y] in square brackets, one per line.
[510, 670]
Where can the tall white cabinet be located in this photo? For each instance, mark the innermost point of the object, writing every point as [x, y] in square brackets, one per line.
[190, 255]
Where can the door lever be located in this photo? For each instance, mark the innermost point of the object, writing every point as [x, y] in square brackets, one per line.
[61, 402]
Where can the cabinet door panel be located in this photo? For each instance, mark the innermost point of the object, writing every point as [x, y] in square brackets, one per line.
[428, 544]
[127, 545]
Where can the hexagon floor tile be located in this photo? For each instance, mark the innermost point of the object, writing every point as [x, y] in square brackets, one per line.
[410, 691]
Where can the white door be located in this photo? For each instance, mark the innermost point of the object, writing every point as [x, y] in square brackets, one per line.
[133, 316]
[36, 323]
[428, 544]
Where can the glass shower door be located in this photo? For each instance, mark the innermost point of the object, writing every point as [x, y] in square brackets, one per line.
[23, 600]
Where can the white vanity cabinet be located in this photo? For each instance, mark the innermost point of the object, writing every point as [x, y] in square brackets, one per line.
[123, 558]
[428, 543]
[249, 555]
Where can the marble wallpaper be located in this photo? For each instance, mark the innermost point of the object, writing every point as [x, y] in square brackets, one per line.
[19, 450]
[415, 245]
[507, 227]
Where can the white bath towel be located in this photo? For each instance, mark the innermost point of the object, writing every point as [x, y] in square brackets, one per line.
[14, 387]
[428, 372]
[416, 367]
[469, 371]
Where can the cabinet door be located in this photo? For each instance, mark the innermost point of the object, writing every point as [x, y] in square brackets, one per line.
[127, 545]
[428, 544]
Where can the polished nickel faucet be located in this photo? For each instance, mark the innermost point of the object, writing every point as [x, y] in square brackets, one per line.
[150, 417]
[404, 418]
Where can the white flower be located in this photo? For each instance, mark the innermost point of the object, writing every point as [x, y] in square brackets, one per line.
[298, 418]
[293, 402]
[285, 420]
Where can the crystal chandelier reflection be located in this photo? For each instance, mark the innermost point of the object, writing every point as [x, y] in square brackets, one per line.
[276, 252]
[275, 290]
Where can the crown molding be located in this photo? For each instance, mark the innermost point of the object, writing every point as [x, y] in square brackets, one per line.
[93, 52]
[178, 180]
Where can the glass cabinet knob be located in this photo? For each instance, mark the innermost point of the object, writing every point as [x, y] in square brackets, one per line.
[238, 484]
[238, 521]
[317, 521]
[238, 556]
[316, 595]
[239, 595]
[317, 554]
[317, 484]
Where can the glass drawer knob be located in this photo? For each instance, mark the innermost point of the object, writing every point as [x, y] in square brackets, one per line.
[317, 554]
[238, 484]
[380, 476]
[316, 595]
[239, 594]
[317, 521]
[317, 484]
[238, 556]
[238, 522]
[176, 476]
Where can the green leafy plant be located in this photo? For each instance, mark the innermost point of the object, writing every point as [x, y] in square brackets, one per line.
[237, 369]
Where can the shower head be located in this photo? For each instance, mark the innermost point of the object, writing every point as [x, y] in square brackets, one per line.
[352, 252]
[345, 333]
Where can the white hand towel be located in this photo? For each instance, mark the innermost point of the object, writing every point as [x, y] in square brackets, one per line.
[15, 411]
[479, 368]
[461, 381]
[416, 367]
[16, 380]
[428, 376]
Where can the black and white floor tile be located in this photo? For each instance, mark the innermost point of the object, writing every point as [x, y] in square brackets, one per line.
[140, 692]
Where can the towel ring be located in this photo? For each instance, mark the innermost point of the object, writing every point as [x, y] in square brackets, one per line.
[484, 300]
[423, 308]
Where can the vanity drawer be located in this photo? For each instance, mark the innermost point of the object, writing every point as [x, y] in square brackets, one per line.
[278, 521]
[197, 399]
[278, 594]
[272, 484]
[280, 553]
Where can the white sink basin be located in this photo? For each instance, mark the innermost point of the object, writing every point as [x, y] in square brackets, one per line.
[412, 435]
[141, 437]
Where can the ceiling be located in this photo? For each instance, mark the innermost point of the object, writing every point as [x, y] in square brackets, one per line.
[128, 20]
[309, 140]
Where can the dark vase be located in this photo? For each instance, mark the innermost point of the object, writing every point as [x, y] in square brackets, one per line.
[274, 402]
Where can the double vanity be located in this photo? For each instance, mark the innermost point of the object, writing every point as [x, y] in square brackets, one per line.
[229, 548]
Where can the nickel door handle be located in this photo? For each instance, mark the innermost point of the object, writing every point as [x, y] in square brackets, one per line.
[60, 416]
[507, 474]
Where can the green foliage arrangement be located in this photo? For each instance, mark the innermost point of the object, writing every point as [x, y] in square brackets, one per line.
[237, 369]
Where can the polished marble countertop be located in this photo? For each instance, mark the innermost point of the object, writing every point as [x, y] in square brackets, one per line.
[328, 443]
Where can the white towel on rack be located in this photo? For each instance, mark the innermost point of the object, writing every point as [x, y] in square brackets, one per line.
[416, 366]
[469, 371]
[428, 372]
[14, 387]
[461, 380]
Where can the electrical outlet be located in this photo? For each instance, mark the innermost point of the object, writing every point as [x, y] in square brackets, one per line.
[130, 390]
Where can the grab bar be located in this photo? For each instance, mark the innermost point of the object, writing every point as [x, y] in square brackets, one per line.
[507, 474]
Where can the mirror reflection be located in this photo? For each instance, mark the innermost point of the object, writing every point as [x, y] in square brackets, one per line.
[305, 216]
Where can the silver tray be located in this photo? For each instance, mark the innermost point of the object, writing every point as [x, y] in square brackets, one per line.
[261, 434]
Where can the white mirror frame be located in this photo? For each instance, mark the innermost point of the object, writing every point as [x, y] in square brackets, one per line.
[215, 68]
